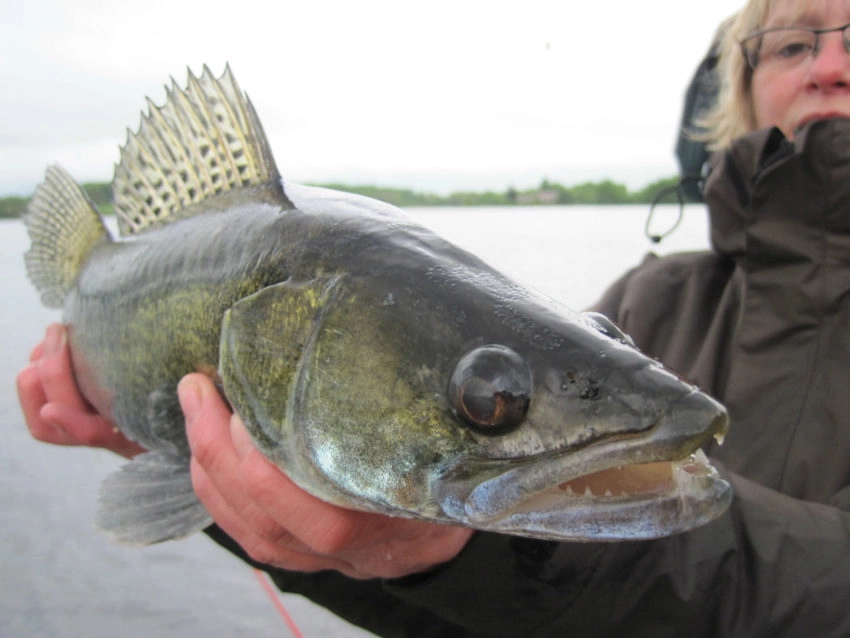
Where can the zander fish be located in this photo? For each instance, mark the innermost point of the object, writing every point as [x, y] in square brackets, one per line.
[377, 365]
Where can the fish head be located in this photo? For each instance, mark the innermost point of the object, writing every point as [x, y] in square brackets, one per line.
[437, 388]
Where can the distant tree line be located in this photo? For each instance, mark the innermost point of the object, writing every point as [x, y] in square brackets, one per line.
[100, 193]
[548, 193]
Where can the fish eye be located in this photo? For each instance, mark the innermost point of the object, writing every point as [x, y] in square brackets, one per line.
[607, 327]
[490, 390]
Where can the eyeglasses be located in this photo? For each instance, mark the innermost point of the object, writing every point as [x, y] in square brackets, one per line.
[785, 47]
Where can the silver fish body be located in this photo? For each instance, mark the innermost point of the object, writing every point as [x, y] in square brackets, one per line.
[381, 367]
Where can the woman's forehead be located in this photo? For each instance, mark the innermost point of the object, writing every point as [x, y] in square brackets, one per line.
[810, 13]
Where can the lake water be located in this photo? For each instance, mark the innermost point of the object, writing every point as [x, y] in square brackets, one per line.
[60, 577]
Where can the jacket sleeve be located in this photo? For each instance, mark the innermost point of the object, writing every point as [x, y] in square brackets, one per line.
[771, 566]
[365, 603]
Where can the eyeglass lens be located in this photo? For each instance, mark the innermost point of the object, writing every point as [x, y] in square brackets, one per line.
[786, 47]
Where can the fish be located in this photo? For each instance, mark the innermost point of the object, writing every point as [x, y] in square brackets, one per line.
[376, 364]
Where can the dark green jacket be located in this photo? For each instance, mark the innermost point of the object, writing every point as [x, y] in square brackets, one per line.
[763, 323]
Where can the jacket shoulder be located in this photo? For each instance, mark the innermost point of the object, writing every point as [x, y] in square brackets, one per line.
[668, 303]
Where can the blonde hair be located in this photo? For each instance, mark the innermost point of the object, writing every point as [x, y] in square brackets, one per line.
[734, 115]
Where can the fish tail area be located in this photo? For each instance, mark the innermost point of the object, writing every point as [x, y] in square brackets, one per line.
[206, 141]
[64, 226]
[150, 500]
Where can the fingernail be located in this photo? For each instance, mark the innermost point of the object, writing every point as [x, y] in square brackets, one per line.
[54, 340]
[189, 393]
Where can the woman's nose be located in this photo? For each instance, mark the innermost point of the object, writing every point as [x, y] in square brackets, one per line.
[830, 67]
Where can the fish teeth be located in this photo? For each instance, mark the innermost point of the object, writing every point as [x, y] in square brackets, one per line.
[588, 493]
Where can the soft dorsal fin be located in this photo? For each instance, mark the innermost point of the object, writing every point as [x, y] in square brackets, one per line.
[205, 141]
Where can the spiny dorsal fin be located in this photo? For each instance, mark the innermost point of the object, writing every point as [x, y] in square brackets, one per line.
[64, 226]
[203, 142]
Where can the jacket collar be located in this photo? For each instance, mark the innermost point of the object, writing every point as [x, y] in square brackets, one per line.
[774, 198]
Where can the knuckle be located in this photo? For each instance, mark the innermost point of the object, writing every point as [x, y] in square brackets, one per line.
[267, 528]
[260, 552]
[53, 372]
[27, 380]
[201, 484]
[257, 489]
[30, 394]
[204, 446]
[333, 538]
[261, 479]
[267, 553]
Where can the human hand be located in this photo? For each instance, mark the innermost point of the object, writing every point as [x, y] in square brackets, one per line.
[277, 523]
[54, 410]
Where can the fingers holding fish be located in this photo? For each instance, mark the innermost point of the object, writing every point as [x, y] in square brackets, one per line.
[215, 464]
[309, 535]
[37, 352]
[359, 544]
[53, 408]
[220, 484]
[390, 547]
[207, 422]
[221, 488]
[325, 529]
[277, 523]
[227, 480]
[56, 372]
[42, 381]
[32, 398]
[269, 543]
[263, 539]
[216, 467]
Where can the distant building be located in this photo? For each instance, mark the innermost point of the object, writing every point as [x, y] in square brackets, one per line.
[542, 196]
[547, 196]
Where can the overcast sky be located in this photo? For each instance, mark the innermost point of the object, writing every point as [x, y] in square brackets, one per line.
[432, 95]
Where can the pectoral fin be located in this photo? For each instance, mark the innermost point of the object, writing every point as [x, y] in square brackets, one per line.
[264, 341]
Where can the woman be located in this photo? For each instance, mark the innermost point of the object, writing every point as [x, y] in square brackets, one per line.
[762, 322]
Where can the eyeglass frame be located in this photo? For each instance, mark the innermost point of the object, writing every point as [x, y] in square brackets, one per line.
[817, 32]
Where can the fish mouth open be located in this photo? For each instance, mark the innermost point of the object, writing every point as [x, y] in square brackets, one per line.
[643, 501]
[644, 479]
[639, 487]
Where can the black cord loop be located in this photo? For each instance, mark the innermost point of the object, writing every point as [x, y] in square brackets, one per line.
[657, 238]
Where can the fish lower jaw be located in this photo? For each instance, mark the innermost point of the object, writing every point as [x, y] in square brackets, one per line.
[641, 501]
